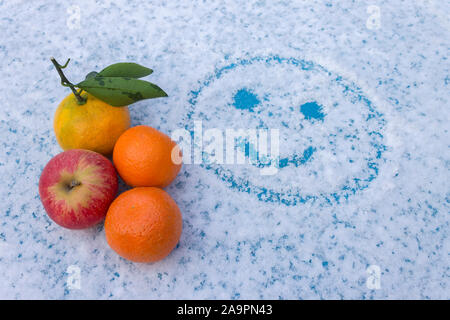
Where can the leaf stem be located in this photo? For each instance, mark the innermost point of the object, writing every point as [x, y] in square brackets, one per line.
[66, 82]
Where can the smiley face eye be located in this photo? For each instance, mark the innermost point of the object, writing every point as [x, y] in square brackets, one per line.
[245, 99]
[312, 111]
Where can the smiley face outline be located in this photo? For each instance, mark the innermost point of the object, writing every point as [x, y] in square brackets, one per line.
[295, 196]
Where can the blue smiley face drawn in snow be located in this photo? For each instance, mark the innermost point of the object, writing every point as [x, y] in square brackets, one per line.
[330, 133]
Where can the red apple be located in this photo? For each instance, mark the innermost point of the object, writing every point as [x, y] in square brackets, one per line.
[76, 188]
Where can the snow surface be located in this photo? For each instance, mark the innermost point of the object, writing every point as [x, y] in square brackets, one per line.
[362, 107]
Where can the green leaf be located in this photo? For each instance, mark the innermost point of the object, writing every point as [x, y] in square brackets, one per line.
[125, 69]
[92, 74]
[121, 91]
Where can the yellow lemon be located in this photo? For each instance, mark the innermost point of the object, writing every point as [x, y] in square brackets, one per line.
[94, 125]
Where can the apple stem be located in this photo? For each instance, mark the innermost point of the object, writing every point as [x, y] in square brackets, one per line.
[67, 83]
[73, 184]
